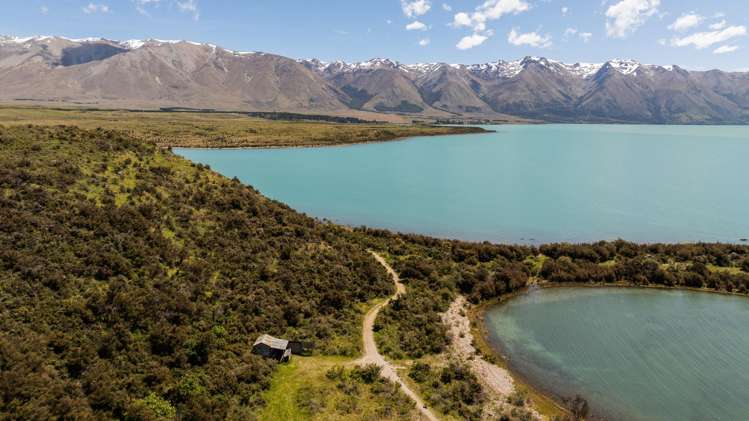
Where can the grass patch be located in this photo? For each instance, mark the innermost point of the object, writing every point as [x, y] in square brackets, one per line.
[535, 263]
[720, 269]
[330, 388]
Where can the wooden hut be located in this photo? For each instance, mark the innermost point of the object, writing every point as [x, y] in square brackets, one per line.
[271, 347]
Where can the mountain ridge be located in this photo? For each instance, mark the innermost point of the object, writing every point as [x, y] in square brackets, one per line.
[158, 73]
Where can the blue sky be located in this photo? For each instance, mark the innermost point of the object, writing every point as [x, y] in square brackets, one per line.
[695, 34]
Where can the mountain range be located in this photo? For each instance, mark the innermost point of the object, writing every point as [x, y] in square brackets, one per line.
[155, 74]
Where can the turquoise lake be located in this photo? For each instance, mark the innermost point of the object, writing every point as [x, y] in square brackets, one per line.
[634, 354]
[522, 184]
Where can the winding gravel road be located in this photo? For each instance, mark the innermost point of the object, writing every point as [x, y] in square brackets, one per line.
[373, 356]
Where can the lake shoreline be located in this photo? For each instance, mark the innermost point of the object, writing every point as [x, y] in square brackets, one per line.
[469, 130]
[538, 177]
[535, 389]
[548, 404]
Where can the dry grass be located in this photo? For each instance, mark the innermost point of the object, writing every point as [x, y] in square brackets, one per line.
[220, 130]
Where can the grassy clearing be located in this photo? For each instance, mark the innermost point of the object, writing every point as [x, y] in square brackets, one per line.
[730, 270]
[288, 380]
[327, 388]
[330, 388]
[219, 130]
[536, 263]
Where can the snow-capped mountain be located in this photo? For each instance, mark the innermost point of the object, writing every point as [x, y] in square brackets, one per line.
[495, 70]
[162, 73]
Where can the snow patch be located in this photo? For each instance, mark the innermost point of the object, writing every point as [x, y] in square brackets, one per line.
[625, 67]
[584, 70]
[423, 68]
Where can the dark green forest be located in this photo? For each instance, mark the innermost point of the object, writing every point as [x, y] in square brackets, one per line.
[133, 282]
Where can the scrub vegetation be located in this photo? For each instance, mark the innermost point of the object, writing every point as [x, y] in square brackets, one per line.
[134, 282]
[435, 271]
[453, 389]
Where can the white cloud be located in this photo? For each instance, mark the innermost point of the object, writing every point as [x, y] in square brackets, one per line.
[412, 8]
[424, 42]
[702, 40]
[416, 26]
[532, 39]
[461, 19]
[92, 8]
[495, 9]
[627, 16]
[724, 49]
[189, 6]
[446, 7]
[389, 21]
[584, 36]
[565, 9]
[471, 41]
[717, 26]
[44, 10]
[142, 6]
[685, 22]
[488, 11]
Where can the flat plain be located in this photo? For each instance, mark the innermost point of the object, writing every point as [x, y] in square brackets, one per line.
[220, 130]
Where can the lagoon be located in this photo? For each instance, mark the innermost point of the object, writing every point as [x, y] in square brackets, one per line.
[634, 354]
[523, 184]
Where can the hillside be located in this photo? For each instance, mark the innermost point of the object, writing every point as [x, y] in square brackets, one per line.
[153, 74]
[128, 273]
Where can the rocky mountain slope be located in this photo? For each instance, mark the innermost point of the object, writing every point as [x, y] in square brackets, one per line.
[157, 73]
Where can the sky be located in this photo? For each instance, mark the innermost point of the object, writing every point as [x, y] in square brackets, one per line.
[694, 34]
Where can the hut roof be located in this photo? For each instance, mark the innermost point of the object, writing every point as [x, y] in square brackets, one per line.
[272, 342]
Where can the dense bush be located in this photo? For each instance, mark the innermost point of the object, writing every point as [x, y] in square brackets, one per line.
[411, 325]
[134, 283]
[453, 389]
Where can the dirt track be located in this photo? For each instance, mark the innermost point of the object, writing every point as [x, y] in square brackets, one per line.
[373, 356]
